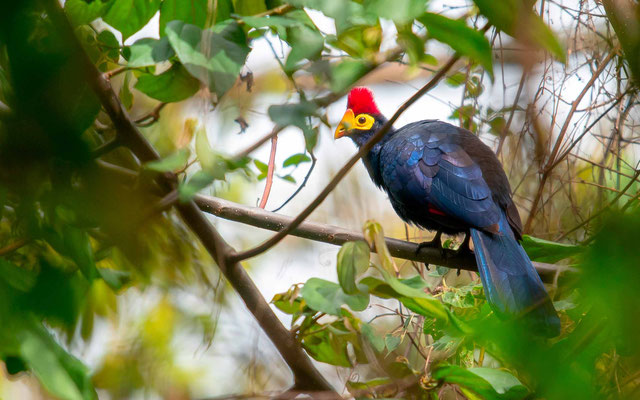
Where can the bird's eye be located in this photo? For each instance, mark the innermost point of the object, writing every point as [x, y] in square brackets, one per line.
[362, 120]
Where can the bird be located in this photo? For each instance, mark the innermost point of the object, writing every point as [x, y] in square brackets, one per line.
[444, 178]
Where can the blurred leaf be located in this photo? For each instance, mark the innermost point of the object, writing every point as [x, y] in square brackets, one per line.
[205, 154]
[62, 374]
[288, 178]
[516, 18]
[485, 382]
[214, 56]
[18, 277]
[399, 11]
[85, 11]
[116, 279]
[129, 16]
[346, 13]
[296, 159]
[126, 97]
[369, 333]
[463, 39]
[289, 302]
[296, 114]
[412, 45]
[328, 297]
[78, 248]
[392, 342]
[306, 43]
[547, 251]
[170, 163]
[279, 23]
[192, 12]
[346, 73]
[249, 7]
[196, 183]
[200, 180]
[146, 52]
[109, 44]
[173, 85]
[353, 261]
[262, 167]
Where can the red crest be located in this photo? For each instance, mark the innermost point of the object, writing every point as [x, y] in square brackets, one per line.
[361, 101]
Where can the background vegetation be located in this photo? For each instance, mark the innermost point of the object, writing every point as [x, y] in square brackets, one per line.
[122, 122]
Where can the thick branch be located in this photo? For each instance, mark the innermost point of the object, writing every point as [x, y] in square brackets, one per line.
[305, 374]
[335, 235]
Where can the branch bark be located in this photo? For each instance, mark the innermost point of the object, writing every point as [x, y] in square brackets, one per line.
[306, 376]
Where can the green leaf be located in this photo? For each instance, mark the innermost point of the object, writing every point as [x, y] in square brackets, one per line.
[524, 25]
[109, 45]
[353, 260]
[214, 56]
[83, 12]
[306, 43]
[374, 235]
[369, 333]
[346, 14]
[486, 382]
[147, 52]
[60, 373]
[279, 23]
[296, 114]
[463, 39]
[205, 154]
[173, 85]
[129, 16]
[262, 167]
[192, 12]
[171, 162]
[328, 297]
[126, 97]
[249, 7]
[547, 251]
[392, 342]
[416, 299]
[346, 73]
[116, 279]
[196, 183]
[296, 159]
[78, 248]
[20, 278]
[399, 11]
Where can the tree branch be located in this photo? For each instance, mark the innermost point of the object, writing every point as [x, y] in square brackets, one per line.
[275, 239]
[338, 236]
[306, 376]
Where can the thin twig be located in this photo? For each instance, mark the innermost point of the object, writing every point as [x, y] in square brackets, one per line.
[270, 169]
[302, 185]
[260, 142]
[154, 116]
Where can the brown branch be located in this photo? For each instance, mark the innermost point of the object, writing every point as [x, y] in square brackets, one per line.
[275, 239]
[551, 161]
[13, 246]
[153, 116]
[306, 376]
[338, 236]
[271, 168]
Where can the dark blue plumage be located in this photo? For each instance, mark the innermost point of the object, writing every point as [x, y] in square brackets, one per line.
[441, 177]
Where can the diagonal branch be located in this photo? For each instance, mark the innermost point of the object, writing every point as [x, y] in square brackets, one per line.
[306, 376]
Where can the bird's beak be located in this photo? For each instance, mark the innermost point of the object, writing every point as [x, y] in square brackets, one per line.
[345, 125]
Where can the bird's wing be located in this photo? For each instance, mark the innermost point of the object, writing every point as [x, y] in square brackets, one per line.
[428, 169]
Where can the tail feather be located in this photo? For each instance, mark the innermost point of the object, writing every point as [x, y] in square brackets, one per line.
[511, 283]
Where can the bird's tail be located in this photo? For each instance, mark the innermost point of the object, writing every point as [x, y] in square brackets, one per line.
[511, 283]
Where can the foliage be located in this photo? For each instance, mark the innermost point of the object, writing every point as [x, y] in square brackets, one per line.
[79, 233]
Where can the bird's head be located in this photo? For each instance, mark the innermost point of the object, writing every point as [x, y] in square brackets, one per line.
[362, 115]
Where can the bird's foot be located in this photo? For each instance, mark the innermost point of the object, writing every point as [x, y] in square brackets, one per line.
[434, 243]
